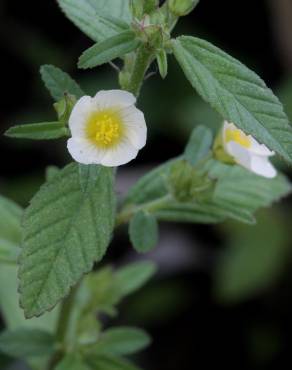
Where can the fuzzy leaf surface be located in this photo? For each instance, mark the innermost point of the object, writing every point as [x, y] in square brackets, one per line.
[66, 230]
[59, 83]
[109, 49]
[143, 230]
[98, 19]
[38, 131]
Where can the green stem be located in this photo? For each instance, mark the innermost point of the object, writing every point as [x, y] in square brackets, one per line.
[127, 213]
[135, 71]
[65, 332]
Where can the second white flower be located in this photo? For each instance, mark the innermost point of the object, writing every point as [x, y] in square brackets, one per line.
[247, 152]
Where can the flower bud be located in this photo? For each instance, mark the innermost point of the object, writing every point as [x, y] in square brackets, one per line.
[64, 107]
[181, 8]
[142, 7]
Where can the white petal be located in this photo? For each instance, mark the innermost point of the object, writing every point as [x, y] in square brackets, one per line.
[83, 151]
[262, 166]
[227, 125]
[240, 154]
[121, 154]
[256, 147]
[136, 129]
[257, 164]
[114, 98]
[79, 116]
[260, 149]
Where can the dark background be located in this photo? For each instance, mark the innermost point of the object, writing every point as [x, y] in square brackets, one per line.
[198, 315]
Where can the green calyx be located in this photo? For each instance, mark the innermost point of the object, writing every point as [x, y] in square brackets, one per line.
[64, 107]
[219, 152]
[188, 183]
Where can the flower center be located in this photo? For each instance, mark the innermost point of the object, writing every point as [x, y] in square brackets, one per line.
[105, 128]
[238, 136]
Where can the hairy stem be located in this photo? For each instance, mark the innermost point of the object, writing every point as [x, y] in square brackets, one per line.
[135, 70]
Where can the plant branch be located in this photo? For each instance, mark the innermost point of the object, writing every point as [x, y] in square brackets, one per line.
[127, 213]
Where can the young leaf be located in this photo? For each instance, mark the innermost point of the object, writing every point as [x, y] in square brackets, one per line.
[72, 361]
[98, 19]
[143, 230]
[134, 276]
[236, 92]
[162, 63]
[65, 231]
[199, 145]
[110, 363]
[121, 341]
[23, 343]
[59, 83]
[106, 288]
[109, 49]
[38, 131]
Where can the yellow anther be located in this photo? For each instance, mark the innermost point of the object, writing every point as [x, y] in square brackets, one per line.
[105, 129]
[238, 136]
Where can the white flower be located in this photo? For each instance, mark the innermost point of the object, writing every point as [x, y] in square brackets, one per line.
[247, 152]
[107, 129]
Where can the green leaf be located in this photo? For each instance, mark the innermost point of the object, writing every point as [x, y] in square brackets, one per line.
[10, 234]
[38, 131]
[236, 92]
[98, 19]
[10, 218]
[9, 305]
[143, 230]
[23, 343]
[245, 190]
[132, 277]
[65, 232]
[199, 145]
[162, 63]
[51, 172]
[88, 175]
[109, 49]
[59, 83]
[9, 251]
[106, 288]
[72, 361]
[121, 341]
[254, 258]
[110, 363]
